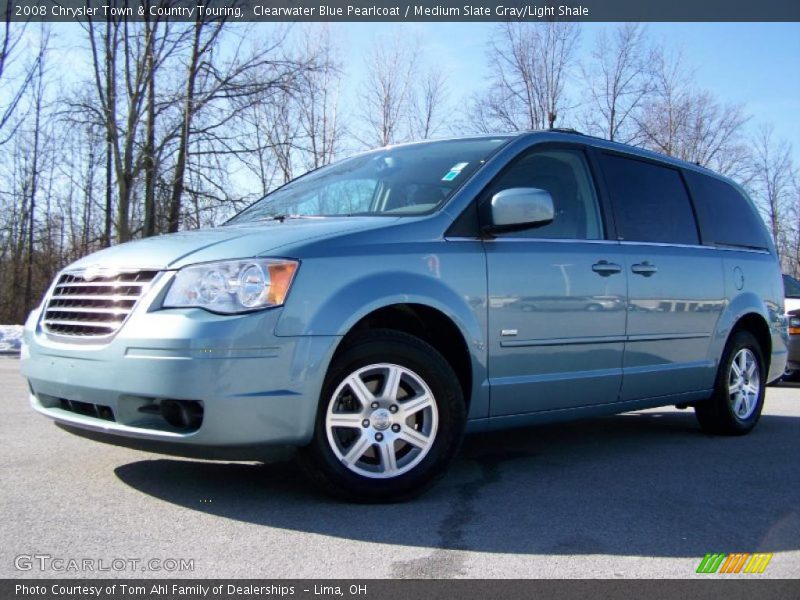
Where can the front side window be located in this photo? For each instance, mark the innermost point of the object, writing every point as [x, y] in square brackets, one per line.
[398, 181]
[564, 175]
[650, 201]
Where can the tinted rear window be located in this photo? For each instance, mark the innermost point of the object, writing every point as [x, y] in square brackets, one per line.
[650, 201]
[726, 217]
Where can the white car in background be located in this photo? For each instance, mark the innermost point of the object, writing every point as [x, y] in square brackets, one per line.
[791, 291]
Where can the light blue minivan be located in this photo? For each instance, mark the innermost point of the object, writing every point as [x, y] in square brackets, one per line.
[372, 311]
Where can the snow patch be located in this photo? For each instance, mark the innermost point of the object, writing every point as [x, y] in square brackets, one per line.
[10, 339]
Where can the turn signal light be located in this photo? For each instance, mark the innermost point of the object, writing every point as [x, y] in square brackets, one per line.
[280, 277]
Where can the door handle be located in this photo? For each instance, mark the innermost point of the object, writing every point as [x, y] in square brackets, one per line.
[605, 268]
[645, 269]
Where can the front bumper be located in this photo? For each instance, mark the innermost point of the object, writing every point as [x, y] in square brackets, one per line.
[255, 388]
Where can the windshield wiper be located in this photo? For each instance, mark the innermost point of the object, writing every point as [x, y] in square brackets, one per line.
[281, 218]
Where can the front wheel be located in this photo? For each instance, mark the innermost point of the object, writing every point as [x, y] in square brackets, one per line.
[735, 406]
[391, 417]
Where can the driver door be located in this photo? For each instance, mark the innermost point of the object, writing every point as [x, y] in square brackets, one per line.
[557, 294]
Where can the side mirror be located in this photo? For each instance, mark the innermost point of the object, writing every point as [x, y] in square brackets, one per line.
[521, 208]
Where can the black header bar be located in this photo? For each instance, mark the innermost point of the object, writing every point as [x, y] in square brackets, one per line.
[404, 10]
[710, 587]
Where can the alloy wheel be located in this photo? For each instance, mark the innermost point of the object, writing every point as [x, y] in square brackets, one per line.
[744, 384]
[381, 421]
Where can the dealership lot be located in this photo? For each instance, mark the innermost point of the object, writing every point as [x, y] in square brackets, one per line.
[637, 495]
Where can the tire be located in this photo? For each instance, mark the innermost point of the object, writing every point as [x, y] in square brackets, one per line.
[732, 411]
[374, 445]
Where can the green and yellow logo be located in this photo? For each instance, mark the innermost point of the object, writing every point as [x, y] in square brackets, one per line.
[741, 562]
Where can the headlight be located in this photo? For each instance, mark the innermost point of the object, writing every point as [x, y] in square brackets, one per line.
[232, 286]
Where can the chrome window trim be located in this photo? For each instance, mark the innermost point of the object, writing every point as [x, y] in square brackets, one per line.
[695, 246]
[617, 242]
[523, 239]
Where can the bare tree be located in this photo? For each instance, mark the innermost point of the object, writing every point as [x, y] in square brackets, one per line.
[14, 84]
[200, 46]
[529, 64]
[429, 105]
[29, 187]
[617, 81]
[662, 122]
[124, 60]
[265, 161]
[772, 184]
[793, 255]
[35, 171]
[282, 133]
[149, 155]
[292, 124]
[108, 115]
[217, 93]
[387, 90]
[317, 98]
[680, 120]
[81, 163]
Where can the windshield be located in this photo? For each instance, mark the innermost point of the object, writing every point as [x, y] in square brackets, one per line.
[791, 287]
[399, 181]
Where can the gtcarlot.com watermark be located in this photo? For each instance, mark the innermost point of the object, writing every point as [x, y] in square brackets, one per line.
[70, 564]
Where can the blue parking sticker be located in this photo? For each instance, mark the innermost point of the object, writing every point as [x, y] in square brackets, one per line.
[454, 171]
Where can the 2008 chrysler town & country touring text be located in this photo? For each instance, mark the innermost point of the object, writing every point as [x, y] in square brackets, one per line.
[372, 311]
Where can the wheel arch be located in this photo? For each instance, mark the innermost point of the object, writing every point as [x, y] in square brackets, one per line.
[398, 299]
[429, 324]
[756, 324]
[746, 310]
[724, 413]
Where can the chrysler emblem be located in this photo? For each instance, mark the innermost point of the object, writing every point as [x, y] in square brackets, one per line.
[95, 271]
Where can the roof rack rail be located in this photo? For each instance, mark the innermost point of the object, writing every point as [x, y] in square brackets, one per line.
[566, 130]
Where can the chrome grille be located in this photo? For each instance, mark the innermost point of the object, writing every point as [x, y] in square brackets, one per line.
[99, 307]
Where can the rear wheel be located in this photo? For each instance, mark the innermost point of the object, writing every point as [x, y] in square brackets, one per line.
[735, 406]
[390, 419]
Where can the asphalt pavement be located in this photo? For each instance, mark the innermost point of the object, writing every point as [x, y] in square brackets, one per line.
[643, 494]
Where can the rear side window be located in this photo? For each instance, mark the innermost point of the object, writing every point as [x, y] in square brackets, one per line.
[650, 201]
[726, 217]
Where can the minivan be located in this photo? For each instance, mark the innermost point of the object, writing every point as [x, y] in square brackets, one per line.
[373, 311]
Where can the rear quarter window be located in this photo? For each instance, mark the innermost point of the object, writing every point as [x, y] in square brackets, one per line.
[651, 203]
[725, 216]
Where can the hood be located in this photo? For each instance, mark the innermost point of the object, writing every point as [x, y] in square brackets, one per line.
[230, 242]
